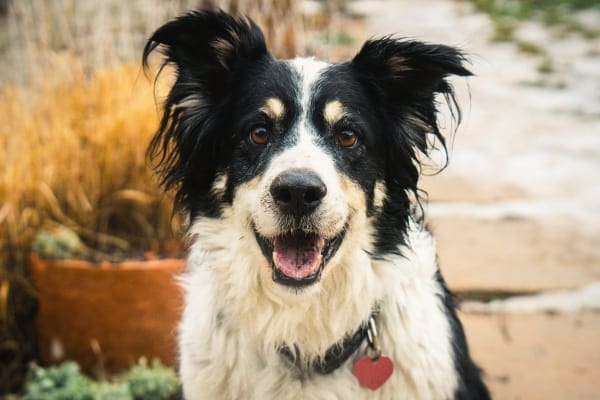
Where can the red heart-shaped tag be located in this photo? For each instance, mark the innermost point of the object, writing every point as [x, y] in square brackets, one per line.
[373, 373]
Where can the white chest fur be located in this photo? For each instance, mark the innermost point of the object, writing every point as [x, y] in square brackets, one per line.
[233, 323]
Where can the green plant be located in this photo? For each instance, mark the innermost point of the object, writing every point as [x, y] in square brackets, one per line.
[546, 66]
[504, 29]
[152, 383]
[61, 243]
[560, 14]
[530, 48]
[112, 391]
[66, 382]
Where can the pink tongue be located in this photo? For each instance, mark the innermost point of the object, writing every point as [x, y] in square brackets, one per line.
[298, 256]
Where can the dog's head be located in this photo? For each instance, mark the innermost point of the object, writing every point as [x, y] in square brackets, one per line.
[317, 159]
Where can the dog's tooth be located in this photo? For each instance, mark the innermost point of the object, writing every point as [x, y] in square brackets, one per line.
[319, 259]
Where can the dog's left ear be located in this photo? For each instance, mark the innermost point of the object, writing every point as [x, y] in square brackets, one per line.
[207, 47]
[404, 76]
[402, 79]
[208, 50]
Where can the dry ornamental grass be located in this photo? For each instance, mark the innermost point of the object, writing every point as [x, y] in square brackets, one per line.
[75, 156]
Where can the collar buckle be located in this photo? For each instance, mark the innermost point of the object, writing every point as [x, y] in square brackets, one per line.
[373, 338]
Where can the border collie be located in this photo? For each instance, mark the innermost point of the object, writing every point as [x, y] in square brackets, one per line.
[310, 275]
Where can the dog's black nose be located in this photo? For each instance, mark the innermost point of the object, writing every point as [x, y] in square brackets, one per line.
[298, 191]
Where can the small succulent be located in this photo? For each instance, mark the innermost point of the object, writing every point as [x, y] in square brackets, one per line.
[66, 382]
[111, 391]
[152, 383]
[58, 243]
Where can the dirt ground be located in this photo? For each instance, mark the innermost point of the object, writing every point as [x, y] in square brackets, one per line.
[517, 209]
[537, 356]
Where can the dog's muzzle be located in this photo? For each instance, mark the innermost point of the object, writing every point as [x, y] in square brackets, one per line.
[298, 254]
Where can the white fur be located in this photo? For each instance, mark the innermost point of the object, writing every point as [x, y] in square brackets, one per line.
[236, 317]
[306, 153]
[310, 70]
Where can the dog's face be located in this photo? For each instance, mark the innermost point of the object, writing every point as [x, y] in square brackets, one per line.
[303, 164]
[309, 155]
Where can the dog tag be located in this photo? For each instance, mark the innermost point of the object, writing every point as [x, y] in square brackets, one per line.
[373, 373]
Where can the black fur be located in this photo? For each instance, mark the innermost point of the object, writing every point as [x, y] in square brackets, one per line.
[402, 79]
[471, 386]
[189, 150]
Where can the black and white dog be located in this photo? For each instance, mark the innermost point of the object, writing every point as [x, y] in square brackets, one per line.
[309, 276]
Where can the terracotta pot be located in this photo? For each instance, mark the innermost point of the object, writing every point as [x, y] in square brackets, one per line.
[107, 316]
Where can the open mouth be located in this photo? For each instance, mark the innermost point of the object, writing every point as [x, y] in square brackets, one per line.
[298, 257]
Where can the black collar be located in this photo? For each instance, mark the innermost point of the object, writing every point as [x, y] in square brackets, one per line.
[335, 356]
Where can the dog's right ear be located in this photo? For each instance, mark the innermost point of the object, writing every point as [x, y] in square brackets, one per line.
[207, 46]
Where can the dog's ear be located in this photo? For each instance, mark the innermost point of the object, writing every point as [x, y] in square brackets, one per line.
[208, 46]
[403, 77]
[208, 50]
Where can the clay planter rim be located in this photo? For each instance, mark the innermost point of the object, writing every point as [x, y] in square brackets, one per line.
[75, 263]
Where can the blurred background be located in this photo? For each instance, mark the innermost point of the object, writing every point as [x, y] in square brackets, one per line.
[516, 214]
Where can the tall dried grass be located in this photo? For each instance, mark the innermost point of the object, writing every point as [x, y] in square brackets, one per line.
[74, 155]
[77, 121]
[77, 118]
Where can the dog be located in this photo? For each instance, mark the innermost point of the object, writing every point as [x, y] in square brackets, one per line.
[310, 273]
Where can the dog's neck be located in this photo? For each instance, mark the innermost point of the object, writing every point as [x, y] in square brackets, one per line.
[272, 316]
[334, 357]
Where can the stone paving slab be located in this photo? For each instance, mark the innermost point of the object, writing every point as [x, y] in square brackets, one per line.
[537, 356]
[513, 254]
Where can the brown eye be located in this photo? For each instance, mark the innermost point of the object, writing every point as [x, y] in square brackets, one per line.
[347, 138]
[259, 135]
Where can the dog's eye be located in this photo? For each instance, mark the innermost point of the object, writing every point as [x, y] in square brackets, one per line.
[259, 135]
[347, 138]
